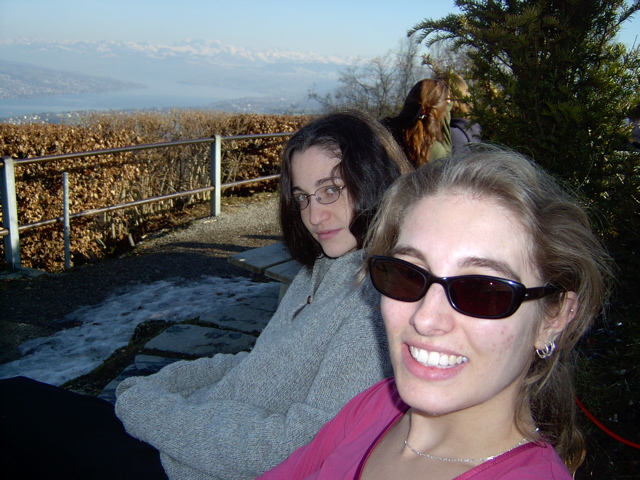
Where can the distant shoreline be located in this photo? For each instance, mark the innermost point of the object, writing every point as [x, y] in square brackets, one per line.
[70, 108]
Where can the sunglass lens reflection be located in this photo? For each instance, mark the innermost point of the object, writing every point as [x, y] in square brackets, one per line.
[484, 297]
[398, 281]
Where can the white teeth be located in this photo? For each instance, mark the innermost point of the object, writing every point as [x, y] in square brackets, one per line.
[421, 355]
[436, 359]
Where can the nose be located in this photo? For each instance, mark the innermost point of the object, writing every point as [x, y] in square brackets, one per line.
[433, 315]
[317, 211]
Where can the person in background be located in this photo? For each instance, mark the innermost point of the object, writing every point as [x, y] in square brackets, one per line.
[422, 126]
[462, 130]
[489, 275]
[236, 416]
[634, 120]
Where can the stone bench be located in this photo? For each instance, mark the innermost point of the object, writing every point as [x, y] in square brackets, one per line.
[272, 261]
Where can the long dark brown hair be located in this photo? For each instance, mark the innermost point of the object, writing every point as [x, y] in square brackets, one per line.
[370, 160]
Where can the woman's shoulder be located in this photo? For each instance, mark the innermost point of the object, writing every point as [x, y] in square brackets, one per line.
[460, 122]
[463, 131]
[381, 396]
[532, 461]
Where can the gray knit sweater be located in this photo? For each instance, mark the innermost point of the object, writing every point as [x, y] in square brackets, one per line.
[236, 416]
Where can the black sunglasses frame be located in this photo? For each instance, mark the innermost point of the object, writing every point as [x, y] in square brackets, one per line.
[520, 292]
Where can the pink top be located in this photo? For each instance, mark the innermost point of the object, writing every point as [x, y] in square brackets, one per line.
[341, 447]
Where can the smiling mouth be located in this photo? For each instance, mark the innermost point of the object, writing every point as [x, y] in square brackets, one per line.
[436, 359]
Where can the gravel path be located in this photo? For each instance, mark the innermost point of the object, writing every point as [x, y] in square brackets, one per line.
[37, 306]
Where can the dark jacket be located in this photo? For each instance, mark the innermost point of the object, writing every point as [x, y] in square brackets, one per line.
[463, 132]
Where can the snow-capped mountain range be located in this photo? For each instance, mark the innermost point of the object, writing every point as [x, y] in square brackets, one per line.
[234, 71]
[213, 51]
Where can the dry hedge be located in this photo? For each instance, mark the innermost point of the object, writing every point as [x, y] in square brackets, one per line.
[100, 181]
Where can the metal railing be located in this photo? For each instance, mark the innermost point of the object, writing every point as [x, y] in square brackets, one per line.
[11, 229]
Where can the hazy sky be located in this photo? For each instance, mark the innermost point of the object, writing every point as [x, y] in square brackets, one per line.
[330, 27]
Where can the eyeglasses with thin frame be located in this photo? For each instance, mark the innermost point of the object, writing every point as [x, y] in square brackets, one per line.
[478, 296]
[325, 195]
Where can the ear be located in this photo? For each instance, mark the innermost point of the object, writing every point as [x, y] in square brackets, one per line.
[551, 327]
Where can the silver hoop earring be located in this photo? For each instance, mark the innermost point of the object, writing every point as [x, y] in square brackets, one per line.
[547, 351]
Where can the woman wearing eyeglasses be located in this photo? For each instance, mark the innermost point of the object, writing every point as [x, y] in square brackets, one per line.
[489, 275]
[236, 416]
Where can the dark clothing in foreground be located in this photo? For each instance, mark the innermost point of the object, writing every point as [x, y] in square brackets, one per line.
[49, 433]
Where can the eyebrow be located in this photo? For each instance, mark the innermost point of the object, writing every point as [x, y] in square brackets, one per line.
[407, 250]
[318, 183]
[498, 266]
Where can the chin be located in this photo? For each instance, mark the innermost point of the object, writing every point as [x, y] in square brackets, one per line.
[432, 407]
[335, 251]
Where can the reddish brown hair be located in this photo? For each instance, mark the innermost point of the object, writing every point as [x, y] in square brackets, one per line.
[419, 123]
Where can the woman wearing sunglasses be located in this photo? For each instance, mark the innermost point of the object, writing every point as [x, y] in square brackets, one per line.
[489, 275]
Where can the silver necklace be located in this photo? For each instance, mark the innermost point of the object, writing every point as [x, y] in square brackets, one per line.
[464, 460]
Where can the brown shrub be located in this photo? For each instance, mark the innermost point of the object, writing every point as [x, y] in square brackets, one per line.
[100, 181]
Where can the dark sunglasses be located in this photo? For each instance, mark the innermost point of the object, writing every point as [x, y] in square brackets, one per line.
[477, 296]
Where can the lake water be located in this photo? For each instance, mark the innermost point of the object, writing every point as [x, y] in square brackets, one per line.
[155, 97]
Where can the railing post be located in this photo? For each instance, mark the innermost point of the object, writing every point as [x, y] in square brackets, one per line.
[215, 175]
[10, 213]
[66, 224]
